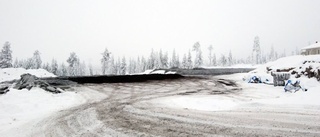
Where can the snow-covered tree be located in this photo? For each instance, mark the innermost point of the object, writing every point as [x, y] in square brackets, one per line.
[123, 66]
[230, 59]
[144, 64]
[16, 63]
[173, 62]
[54, 67]
[74, 63]
[214, 60]
[152, 60]
[165, 60]
[189, 61]
[223, 60]
[28, 64]
[82, 69]
[105, 61]
[210, 56]
[113, 67]
[46, 66]
[178, 61]
[272, 54]
[184, 63]
[256, 53]
[36, 60]
[90, 70]
[198, 59]
[6, 56]
[63, 70]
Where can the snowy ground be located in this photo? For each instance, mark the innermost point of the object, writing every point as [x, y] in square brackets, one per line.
[251, 95]
[191, 106]
[22, 109]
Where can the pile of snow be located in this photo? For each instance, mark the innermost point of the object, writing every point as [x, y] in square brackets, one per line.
[8, 74]
[289, 63]
[297, 64]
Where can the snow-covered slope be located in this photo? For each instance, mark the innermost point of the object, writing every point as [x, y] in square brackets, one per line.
[8, 74]
[289, 62]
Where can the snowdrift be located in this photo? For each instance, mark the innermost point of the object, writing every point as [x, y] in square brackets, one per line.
[8, 74]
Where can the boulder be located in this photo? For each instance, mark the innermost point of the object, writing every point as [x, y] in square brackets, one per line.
[29, 81]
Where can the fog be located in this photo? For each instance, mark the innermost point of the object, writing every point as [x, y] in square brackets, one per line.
[131, 28]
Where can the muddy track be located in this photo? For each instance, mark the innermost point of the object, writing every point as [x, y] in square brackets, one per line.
[125, 112]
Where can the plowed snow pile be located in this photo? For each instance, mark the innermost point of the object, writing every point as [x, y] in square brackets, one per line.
[8, 74]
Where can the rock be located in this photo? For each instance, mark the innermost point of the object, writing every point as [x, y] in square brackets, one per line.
[29, 81]
[4, 89]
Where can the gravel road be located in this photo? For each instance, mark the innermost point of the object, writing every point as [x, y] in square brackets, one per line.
[126, 112]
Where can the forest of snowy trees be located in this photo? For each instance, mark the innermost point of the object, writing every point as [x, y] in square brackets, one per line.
[158, 59]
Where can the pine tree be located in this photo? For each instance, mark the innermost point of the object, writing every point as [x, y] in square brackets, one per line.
[54, 67]
[210, 48]
[230, 59]
[214, 60]
[223, 60]
[198, 59]
[272, 54]
[16, 63]
[74, 62]
[6, 56]
[64, 70]
[189, 61]
[184, 61]
[144, 64]
[105, 61]
[173, 59]
[123, 66]
[113, 66]
[166, 61]
[46, 67]
[256, 53]
[90, 70]
[152, 60]
[177, 61]
[36, 60]
[28, 64]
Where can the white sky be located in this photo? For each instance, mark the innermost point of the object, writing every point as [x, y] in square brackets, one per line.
[133, 27]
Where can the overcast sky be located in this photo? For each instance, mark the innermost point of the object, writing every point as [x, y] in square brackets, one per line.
[133, 27]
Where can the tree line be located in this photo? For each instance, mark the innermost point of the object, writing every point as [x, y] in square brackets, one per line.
[157, 59]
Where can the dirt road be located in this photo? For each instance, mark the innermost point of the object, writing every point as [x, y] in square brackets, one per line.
[126, 112]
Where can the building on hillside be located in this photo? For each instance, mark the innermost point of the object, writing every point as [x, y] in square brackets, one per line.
[313, 49]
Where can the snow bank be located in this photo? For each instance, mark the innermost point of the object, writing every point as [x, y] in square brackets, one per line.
[19, 107]
[8, 74]
[22, 109]
[288, 63]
